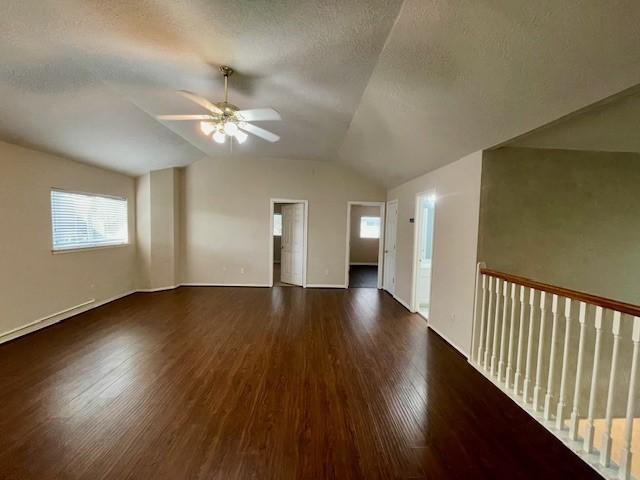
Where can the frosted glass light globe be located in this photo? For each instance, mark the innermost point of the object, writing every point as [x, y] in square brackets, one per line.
[241, 136]
[230, 129]
[219, 137]
[207, 128]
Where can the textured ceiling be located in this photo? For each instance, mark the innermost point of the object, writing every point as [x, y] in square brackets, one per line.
[612, 126]
[457, 76]
[84, 78]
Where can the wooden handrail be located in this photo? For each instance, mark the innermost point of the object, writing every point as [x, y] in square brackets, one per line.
[627, 308]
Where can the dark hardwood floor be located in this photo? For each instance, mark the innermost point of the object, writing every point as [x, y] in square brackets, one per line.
[240, 383]
[363, 276]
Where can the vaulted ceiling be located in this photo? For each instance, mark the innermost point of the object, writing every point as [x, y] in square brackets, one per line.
[610, 126]
[85, 78]
[460, 76]
[388, 88]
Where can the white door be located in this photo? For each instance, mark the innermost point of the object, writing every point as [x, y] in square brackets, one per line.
[292, 256]
[391, 225]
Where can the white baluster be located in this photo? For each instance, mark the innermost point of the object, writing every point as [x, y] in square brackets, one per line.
[489, 325]
[516, 380]
[538, 388]
[511, 332]
[552, 358]
[483, 318]
[588, 438]
[605, 451]
[527, 369]
[625, 464]
[573, 427]
[503, 334]
[476, 304]
[565, 363]
[494, 348]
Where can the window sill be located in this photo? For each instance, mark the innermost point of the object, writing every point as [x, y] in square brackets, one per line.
[88, 249]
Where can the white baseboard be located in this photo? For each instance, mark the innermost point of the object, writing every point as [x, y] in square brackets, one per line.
[326, 285]
[159, 289]
[371, 264]
[448, 340]
[224, 285]
[403, 303]
[57, 317]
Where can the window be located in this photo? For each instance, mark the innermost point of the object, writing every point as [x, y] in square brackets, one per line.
[369, 227]
[277, 224]
[82, 220]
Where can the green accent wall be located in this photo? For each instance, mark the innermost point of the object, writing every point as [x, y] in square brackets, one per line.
[563, 217]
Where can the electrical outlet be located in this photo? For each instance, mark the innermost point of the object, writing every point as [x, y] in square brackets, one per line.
[224, 268]
[242, 270]
[326, 272]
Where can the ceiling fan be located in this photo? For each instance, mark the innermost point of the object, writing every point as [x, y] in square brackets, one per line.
[225, 119]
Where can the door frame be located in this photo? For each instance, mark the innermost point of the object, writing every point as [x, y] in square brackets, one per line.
[305, 242]
[387, 203]
[416, 236]
[382, 206]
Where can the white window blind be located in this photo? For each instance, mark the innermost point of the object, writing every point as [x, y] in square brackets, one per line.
[81, 220]
[369, 227]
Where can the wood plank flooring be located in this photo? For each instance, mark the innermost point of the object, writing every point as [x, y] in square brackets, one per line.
[249, 383]
[363, 276]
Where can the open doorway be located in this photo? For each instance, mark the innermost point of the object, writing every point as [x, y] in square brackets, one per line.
[423, 253]
[363, 260]
[288, 242]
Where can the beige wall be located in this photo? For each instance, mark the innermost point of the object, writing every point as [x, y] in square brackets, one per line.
[226, 216]
[457, 189]
[563, 217]
[362, 250]
[158, 207]
[34, 283]
[143, 230]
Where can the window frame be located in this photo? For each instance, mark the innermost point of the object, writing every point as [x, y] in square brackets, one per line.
[59, 251]
[362, 218]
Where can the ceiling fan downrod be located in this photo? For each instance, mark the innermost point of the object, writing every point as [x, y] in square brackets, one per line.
[227, 72]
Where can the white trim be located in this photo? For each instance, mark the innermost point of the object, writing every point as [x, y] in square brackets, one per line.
[57, 317]
[370, 264]
[417, 218]
[272, 203]
[448, 340]
[402, 302]
[382, 246]
[62, 251]
[251, 285]
[159, 289]
[382, 206]
[325, 285]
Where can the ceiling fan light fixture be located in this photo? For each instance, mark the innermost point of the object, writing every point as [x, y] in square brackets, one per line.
[219, 136]
[241, 136]
[230, 128]
[225, 119]
[207, 128]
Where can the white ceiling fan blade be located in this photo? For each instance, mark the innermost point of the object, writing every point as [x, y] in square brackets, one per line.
[258, 114]
[183, 117]
[203, 102]
[259, 132]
